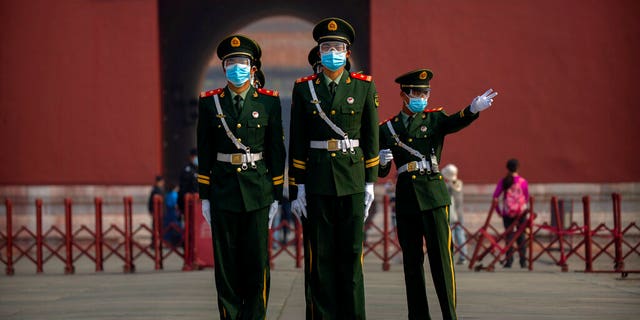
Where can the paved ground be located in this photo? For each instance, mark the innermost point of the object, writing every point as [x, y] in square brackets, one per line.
[504, 294]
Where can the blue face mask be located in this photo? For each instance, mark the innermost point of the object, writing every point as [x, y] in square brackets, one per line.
[238, 74]
[333, 60]
[417, 105]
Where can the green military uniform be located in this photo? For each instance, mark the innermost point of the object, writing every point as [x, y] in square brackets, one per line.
[240, 187]
[422, 200]
[334, 177]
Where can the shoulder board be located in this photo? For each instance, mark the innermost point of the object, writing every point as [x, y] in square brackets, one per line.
[307, 78]
[433, 109]
[210, 93]
[267, 92]
[385, 121]
[361, 76]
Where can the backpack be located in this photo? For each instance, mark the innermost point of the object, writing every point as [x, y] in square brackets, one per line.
[514, 201]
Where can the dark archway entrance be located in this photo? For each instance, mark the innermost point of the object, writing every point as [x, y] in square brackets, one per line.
[189, 34]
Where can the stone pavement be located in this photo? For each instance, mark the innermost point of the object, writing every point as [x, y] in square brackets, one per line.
[504, 294]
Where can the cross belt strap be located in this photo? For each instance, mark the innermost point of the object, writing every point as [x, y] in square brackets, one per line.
[415, 166]
[347, 142]
[334, 145]
[239, 158]
[233, 139]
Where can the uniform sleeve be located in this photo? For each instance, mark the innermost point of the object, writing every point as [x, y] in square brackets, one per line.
[205, 148]
[383, 171]
[458, 120]
[274, 151]
[369, 135]
[298, 142]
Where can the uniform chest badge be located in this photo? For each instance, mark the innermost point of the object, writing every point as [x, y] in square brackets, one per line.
[423, 128]
[255, 114]
[350, 100]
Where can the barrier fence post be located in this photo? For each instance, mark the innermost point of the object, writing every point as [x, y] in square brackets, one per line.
[530, 225]
[298, 242]
[9, 206]
[39, 268]
[617, 230]
[560, 229]
[98, 231]
[157, 231]
[187, 266]
[128, 243]
[588, 257]
[385, 242]
[69, 268]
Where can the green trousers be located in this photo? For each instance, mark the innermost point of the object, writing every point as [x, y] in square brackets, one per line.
[336, 232]
[433, 226]
[241, 263]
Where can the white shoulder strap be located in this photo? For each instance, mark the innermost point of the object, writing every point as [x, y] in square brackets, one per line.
[233, 139]
[401, 144]
[326, 119]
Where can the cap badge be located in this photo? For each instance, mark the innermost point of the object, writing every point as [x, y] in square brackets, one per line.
[332, 26]
[235, 42]
[255, 115]
[350, 100]
[423, 75]
[423, 128]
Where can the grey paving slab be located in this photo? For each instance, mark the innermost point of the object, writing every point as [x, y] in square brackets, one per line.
[503, 294]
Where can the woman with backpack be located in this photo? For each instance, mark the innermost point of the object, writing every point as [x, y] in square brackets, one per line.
[514, 190]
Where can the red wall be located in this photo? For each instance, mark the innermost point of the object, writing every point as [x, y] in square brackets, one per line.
[79, 92]
[565, 71]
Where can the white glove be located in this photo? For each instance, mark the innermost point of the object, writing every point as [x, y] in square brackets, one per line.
[206, 211]
[385, 157]
[368, 198]
[482, 102]
[272, 212]
[298, 206]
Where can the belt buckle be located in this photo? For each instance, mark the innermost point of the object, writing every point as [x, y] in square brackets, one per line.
[236, 158]
[412, 166]
[332, 145]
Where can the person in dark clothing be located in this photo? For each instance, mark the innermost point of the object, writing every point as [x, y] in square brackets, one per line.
[188, 179]
[158, 188]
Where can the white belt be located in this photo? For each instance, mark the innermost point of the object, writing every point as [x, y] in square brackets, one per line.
[415, 166]
[335, 145]
[239, 158]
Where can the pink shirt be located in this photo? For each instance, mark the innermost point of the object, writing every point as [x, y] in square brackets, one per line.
[516, 179]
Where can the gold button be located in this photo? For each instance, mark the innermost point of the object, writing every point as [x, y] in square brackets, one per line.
[239, 139]
[395, 144]
[413, 177]
[361, 158]
[333, 112]
[410, 140]
[333, 154]
[353, 112]
[239, 169]
[219, 126]
[425, 135]
[314, 112]
[239, 125]
[440, 177]
[258, 126]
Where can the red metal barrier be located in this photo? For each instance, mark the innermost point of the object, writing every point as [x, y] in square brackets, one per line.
[586, 207]
[39, 267]
[9, 206]
[98, 233]
[188, 230]
[128, 244]
[158, 204]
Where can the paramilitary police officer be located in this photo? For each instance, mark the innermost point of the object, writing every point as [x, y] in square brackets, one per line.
[241, 174]
[334, 163]
[414, 140]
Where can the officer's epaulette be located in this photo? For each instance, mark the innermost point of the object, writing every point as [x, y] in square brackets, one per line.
[210, 93]
[267, 92]
[360, 76]
[307, 78]
[433, 109]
